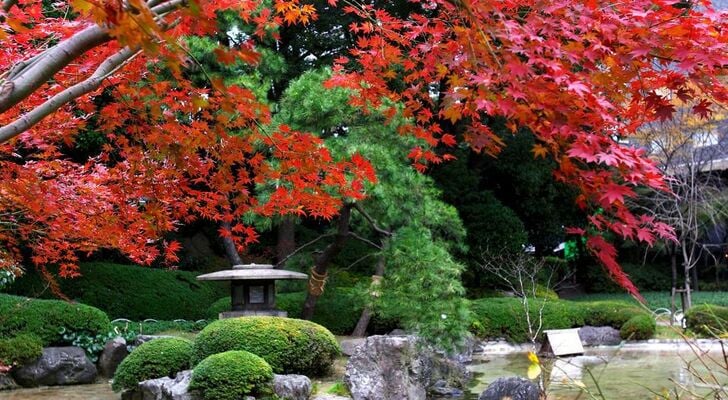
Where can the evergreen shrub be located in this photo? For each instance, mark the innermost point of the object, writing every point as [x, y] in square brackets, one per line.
[231, 375]
[133, 292]
[639, 327]
[609, 313]
[290, 346]
[154, 359]
[49, 319]
[20, 349]
[707, 320]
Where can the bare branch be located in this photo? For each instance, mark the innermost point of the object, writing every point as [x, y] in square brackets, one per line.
[371, 221]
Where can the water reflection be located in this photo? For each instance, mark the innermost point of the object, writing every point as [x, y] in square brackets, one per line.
[99, 391]
[620, 373]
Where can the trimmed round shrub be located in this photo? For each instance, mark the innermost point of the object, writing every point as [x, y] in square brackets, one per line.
[20, 350]
[231, 376]
[290, 346]
[133, 292]
[639, 327]
[707, 320]
[338, 309]
[46, 319]
[154, 359]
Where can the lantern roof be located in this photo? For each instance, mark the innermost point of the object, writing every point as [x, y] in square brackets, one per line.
[251, 272]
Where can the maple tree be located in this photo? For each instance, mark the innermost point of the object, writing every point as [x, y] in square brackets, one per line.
[172, 150]
[578, 74]
[575, 73]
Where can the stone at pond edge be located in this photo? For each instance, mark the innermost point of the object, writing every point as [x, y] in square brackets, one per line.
[511, 388]
[7, 382]
[163, 389]
[398, 367]
[114, 353]
[57, 366]
[599, 336]
[292, 387]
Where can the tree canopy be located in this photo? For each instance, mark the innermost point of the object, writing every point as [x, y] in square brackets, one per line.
[578, 75]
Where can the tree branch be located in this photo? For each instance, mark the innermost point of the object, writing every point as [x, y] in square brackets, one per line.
[371, 220]
[106, 68]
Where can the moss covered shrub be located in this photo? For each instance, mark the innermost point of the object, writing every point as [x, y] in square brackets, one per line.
[609, 313]
[46, 319]
[639, 327]
[20, 350]
[290, 346]
[231, 376]
[154, 359]
[134, 292]
[504, 317]
[707, 320]
[338, 309]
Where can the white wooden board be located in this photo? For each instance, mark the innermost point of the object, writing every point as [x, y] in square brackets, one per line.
[565, 341]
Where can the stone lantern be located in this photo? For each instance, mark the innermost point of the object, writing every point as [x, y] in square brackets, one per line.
[252, 288]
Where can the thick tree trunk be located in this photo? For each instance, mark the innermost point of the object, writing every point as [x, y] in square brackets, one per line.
[286, 243]
[230, 251]
[366, 314]
[322, 261]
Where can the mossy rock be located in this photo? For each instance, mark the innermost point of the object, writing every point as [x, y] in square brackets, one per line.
[154, 359]
[231, 375]
[290, 346]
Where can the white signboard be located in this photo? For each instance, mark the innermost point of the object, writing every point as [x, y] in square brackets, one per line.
[564, 341]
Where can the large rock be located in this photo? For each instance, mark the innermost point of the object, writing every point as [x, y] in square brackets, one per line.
[163, 389]
[57, 366]
[398, 367]
[114, 353]
[7, 382]
[349, 346]
[292, 387]
[599, 336]
[512, 388]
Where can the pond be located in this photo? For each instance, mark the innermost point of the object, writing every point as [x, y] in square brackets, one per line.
[98, 391]
[632, 371]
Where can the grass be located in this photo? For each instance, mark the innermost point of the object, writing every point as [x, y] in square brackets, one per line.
[660, 299]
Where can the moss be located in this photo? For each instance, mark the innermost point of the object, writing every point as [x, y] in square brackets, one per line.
[290, 346]
[46, 319]
[20, 350]
[154, 359]
[639, 327]
[707, 320]
[231, 376]
[134, 292]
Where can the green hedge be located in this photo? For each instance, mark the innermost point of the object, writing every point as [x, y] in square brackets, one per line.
[20, 350]
[154, 359]
[707, 320]
[231, 375]
[290, 346]
[133, 292]
[338, 310]
[504, 317]
[639, 327]
[46, 319]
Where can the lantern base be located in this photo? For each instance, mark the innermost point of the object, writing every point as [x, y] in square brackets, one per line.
[250, 313]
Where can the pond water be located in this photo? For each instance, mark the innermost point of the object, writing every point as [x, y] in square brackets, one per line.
[627, 372]
[98, 391]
